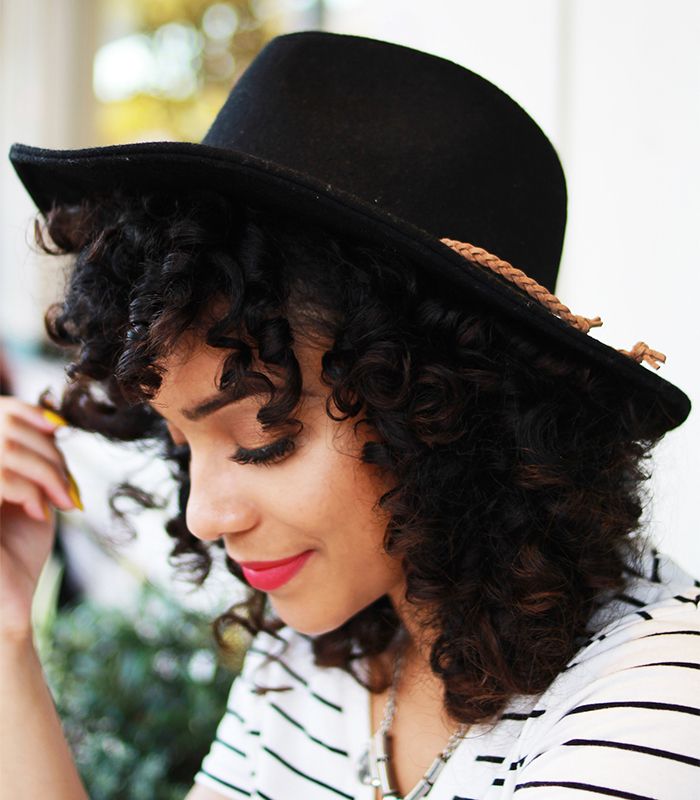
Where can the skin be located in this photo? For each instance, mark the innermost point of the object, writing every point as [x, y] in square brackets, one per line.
[320, 497]
[33, 474]
[33, 477]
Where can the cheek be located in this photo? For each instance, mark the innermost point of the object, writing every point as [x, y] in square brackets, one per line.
[350, 569]
[334, 493]
[334, 588]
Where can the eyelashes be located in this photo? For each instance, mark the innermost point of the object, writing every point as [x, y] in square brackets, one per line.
[265, 456]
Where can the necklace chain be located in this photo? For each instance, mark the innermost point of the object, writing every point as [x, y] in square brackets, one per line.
[374, 763]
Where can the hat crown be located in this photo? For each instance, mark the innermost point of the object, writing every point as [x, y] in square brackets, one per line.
[420, 137]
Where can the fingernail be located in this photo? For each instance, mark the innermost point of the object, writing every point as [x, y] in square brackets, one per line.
[73, 492]
[47, 510]
[53, 417]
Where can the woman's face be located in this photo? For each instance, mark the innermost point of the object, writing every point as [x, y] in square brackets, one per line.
[316, 501]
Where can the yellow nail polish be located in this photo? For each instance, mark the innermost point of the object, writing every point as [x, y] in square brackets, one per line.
[53, 417]
[73, 492]
[47, 510]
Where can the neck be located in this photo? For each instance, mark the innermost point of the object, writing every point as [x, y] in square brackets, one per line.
[417, 679]
[417, 630]
[420, 732]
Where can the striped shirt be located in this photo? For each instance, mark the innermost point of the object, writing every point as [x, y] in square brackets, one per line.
[621, 720]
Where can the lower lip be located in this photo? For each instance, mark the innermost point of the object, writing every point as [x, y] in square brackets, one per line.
[267, 580]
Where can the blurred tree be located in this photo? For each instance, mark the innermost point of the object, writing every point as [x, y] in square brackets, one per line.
[167, 65]
[139, 695]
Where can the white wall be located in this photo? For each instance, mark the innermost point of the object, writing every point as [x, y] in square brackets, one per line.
[615, 84]
[632, 156]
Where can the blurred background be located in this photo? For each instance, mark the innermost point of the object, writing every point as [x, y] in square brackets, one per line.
[614, 83]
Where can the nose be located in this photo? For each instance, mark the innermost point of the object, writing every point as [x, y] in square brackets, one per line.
[216, 506]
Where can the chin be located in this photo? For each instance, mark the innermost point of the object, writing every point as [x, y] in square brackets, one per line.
[311, 623]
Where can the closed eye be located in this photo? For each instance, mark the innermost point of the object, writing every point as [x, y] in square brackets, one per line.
[267, 455]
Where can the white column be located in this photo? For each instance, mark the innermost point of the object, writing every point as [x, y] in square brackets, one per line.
[46, 49]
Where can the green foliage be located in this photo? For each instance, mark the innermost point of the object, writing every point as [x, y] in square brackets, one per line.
[140, 695]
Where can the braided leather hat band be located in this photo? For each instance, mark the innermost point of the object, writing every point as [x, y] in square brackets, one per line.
[640, 352]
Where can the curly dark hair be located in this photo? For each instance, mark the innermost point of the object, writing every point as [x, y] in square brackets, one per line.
[517, 466]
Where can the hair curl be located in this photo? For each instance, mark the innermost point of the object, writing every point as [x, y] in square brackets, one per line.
[518, 467]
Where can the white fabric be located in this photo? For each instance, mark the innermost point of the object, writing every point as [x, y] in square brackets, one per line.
[622, 720]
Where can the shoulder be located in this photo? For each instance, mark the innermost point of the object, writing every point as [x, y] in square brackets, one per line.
[623, 717]
[656, 616]
[656, 613]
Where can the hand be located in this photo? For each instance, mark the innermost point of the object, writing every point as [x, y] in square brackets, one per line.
[33, 473]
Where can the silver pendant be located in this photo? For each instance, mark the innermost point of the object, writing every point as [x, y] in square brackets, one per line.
[363, 770]
[374, 767]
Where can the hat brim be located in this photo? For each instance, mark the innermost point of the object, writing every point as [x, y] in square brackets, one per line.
[68, 176]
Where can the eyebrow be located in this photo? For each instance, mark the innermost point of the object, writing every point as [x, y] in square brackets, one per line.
[215, 402]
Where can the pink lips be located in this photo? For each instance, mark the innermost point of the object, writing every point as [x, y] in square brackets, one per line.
[270, 575]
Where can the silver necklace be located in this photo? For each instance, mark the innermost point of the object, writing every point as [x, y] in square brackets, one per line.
[375, 763]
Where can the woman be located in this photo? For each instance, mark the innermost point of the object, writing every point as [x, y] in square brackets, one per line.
[427, 473]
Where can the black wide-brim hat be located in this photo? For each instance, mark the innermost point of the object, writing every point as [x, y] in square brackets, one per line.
[392, 145]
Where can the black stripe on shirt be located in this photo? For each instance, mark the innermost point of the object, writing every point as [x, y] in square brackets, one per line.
[633, 601]
[225, 783]
[242, 721]
[278, 660]
[514, 715]
[304, 775]
[328, 703]
[671, 633]
[296, 677]
[588, 787]
[262, 795]
[234, 713]
[687, 664]
[230, 746]
[296, 724]
[635, 704]
[681, 599]
[583, 646]
[637, 748]
[491, 759]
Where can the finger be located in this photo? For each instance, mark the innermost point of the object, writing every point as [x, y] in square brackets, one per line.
[40, 418]
[34, 468]
[21, 432]
[22, 492]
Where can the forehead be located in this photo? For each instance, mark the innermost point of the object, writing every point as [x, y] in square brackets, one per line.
[192, 370]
